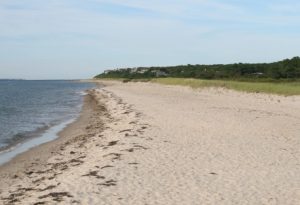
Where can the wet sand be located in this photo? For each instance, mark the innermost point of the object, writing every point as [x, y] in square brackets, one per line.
[143, 143]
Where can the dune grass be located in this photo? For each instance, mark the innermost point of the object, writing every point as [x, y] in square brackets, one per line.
[109, 79]
[280, 88]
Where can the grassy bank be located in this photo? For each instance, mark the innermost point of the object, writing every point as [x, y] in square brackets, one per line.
[280, 88]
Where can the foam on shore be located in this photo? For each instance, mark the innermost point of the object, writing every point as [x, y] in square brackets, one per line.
[21, 147]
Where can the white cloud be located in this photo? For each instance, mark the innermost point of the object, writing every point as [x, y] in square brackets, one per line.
[63, 34]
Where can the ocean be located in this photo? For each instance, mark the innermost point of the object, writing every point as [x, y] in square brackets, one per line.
[29, 109]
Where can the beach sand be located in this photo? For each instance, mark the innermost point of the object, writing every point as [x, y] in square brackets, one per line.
[144, 143]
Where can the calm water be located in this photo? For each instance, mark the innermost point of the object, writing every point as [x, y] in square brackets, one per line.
[31, 108]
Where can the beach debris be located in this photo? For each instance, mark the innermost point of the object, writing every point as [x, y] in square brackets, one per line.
[29, 173]
[56, 196]
[76, 162]
[129, 150]
[94, 174]
[140, 146]
[133, 163]
[128, 135]
[117, 156]
[39, 203]
[38, 180]
[112, 143]
[107, 166]
[109, 183]
[47, 188]
[126, 130]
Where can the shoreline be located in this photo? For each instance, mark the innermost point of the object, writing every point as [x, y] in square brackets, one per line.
[61, 170]
[23, 160]
[21, 147]
[145, 143]
[39, 137]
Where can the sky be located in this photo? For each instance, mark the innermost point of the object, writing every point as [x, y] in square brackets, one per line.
[77, 39]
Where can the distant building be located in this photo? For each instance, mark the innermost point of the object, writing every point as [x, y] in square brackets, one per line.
[138, 70]
[133, 70]
[107, 71]
[159, 73]
[142, 70]
[258, 74]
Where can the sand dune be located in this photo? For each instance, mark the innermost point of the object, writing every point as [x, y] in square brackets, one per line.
[143, 143]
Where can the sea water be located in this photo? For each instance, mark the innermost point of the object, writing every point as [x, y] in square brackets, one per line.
[35, 111]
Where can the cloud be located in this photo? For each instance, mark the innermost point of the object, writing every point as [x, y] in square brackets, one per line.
[93, 17]
[118, 33]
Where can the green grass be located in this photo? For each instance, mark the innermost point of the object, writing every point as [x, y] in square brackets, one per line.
[280, 88]
[124, 80]
[109, 79]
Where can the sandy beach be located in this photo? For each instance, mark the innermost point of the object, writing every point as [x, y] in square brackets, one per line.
[145, 143]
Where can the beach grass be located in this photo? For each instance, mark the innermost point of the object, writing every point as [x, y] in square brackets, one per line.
[280, 88]
[109, 79]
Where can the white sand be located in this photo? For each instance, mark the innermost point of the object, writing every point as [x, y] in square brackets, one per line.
[175, 145]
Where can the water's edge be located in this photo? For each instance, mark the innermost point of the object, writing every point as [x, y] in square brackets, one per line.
[49, 135]
[52, 133]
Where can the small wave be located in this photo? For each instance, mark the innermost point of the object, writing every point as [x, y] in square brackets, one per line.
[82, 93]
[20, 147]
[9, 148]
[12, 142]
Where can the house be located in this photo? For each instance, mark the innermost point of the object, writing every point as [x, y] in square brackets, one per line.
[133, 70]
[142, 70]
[107, 71]
[159, 73]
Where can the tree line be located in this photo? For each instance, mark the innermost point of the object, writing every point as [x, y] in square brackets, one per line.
[285, 69]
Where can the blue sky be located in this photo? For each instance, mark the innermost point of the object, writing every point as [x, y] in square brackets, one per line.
[70, 39]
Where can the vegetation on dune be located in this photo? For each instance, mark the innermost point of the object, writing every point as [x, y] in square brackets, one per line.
[281, 77]
[286, 69]
[281, 88]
